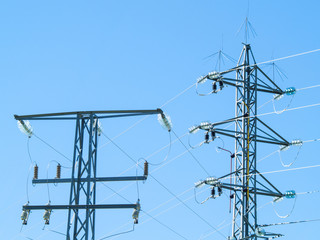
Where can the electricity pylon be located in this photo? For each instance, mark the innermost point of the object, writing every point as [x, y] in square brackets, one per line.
[84, 171]
[248, 182]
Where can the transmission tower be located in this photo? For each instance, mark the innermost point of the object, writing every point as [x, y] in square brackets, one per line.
[82, 199]
[248, 182]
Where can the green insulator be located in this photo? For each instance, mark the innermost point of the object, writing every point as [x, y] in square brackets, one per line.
[290, 194]
[290, 91]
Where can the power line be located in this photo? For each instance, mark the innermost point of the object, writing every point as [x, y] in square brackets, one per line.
[300, 89]
[197, 161]
[54, 149]
[287, 223]
[167, 189]
[278, 171]
[289, 109]
[166, 226]
[228, 224]
[287, 57]
[144, 118]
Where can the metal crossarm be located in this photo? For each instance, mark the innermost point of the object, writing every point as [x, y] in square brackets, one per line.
[77, 207]
[87, 114]
[98, 179]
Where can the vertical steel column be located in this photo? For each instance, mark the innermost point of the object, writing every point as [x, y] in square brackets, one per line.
[83, 192]
[245, 203]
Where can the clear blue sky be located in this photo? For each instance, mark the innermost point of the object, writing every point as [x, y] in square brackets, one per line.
[102, 55]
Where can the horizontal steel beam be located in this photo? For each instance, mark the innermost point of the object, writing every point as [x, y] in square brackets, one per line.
[98, 179]
[63, 207]
[251, 190]
[62, 115]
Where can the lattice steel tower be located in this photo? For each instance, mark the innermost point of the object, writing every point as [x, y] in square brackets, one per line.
[82, 199]
[248, 183]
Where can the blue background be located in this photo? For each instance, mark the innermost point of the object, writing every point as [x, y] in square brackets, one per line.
[105, 55]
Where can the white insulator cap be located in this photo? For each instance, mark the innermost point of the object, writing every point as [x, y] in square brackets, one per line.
[25, 127]
[202, 79]
[205, 125]
[97, 124]
[136, 211]
[277, 199]
[194, 129]
[99, 127]
[214, 75]
[297, 142]
[165, 121]
[24, 215]
[46, 215]
[278, 96]
[284, 147]
[199, 184]
[211, 180]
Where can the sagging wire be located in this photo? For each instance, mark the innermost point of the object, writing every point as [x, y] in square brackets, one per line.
[32, 165]
[283, 110]
[28, 148]
[272, 100]
[289, 214]
[194, 146]
[201, 81]
[216, 79]
[294, 160]
[167, 155]
[117, 234]
[25, 213]
[195, 195]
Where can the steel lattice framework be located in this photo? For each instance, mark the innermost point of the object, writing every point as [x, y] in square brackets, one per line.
[84, 171]
[248, 183]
